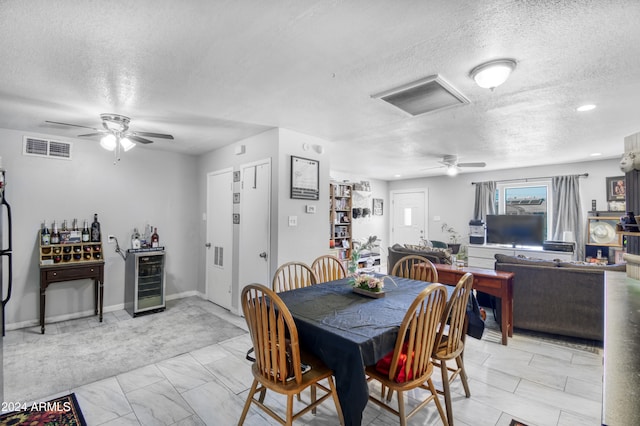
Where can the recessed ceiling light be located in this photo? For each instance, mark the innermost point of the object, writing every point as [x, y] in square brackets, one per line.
[397, 176]
[587, 107]
[595, 154]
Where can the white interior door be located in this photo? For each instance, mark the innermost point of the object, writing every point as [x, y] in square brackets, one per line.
[408, 221]
[255, 222]
[219, 257]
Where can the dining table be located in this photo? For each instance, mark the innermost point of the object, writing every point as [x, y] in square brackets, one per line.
[349, 331]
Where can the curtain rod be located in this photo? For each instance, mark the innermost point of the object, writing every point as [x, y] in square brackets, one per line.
[532, 178]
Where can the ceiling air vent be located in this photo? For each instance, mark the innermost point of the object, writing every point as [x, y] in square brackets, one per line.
[46, 148]
[424, 96]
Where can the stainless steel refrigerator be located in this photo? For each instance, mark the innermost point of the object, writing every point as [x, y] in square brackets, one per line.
[6, 270]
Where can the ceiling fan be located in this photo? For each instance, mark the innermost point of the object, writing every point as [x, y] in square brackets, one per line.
[452, 164]
[116, 134]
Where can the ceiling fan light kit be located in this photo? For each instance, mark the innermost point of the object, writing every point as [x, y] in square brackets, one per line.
[493, 73]
[116, 135]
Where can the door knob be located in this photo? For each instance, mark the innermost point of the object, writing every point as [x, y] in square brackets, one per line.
[208, 245]
[263, 255]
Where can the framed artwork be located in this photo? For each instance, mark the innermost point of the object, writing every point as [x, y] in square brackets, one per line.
[377, 206]
[602, 231]
[616, 190]
[305, 178]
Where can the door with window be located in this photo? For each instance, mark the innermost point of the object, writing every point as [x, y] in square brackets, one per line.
[409, 214]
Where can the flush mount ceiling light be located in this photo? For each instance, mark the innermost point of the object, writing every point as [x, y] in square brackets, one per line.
[493, 73]
[452, 170]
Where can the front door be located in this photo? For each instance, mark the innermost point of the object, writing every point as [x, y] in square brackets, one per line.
[408, 221]
[219, 237]
[255, 222]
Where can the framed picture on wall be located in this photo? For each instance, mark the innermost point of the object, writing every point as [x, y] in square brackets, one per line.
[602, 231]
[305, 178]
[377, 206]
[616, 190]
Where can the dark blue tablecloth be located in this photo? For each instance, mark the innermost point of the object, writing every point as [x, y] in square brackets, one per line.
[348, 331]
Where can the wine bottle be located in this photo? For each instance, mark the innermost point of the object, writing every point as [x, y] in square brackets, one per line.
[55, 236]
[86, 235]
[155, 239]
[95, 229]
[45, 235]
[75, 224]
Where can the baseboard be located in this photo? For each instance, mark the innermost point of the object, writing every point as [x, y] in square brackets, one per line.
[89, 313]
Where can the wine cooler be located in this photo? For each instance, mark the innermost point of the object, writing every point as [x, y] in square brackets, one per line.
[144, 282]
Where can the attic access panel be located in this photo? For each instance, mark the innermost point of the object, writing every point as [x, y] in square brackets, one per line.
[423, 96]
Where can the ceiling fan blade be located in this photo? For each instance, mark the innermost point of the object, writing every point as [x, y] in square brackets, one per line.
[87, 135]
[72, 125]
[138, 139]
[152, 135]
[479, 164]
[432, 167]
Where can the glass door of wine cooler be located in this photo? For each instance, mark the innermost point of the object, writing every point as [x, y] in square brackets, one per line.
[144, 282]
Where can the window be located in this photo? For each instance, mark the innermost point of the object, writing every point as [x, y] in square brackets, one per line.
[407, 216]
[526, 198]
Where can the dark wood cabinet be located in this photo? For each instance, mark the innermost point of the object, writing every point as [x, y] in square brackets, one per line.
[50, 274]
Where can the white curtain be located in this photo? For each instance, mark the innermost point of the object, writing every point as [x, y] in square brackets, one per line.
[485, 200]
[567, 210]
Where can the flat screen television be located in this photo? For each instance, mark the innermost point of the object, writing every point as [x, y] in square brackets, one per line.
[516, 230]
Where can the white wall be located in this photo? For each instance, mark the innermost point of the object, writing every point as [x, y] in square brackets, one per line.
[145, 186]
[310, 238]
[452, 198]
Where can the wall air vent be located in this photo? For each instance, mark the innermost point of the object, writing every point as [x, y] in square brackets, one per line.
[46, 148]
[424, 96]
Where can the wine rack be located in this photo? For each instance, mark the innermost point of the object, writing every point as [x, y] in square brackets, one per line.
[69, 252]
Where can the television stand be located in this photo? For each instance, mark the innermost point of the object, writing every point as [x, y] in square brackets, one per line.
[483, 255]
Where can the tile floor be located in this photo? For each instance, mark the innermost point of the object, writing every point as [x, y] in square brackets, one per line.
[531, 380]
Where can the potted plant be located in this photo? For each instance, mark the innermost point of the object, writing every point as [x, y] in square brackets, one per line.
[359, 246]
[454, 238]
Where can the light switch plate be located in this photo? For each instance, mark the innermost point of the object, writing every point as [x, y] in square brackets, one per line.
[293, 220]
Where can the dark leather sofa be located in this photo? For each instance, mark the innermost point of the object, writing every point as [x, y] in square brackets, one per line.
[565, 298]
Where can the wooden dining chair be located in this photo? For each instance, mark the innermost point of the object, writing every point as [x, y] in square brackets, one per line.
[328, 268]
[416, 268]
[293, 275]
[410, 364]
[449, 344]
[275, 341]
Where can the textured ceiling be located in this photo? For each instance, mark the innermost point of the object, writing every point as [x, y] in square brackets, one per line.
[215, 72]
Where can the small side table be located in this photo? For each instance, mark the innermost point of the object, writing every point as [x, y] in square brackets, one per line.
[50, 274]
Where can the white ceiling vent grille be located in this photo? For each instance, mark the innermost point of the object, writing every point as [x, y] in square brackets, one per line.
[46, 148]
[424, 96]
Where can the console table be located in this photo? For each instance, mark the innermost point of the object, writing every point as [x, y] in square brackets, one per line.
[495, 283]
[50, 274]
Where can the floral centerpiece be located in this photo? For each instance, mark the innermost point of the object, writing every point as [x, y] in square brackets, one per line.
[368, 282]
[369, 285]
